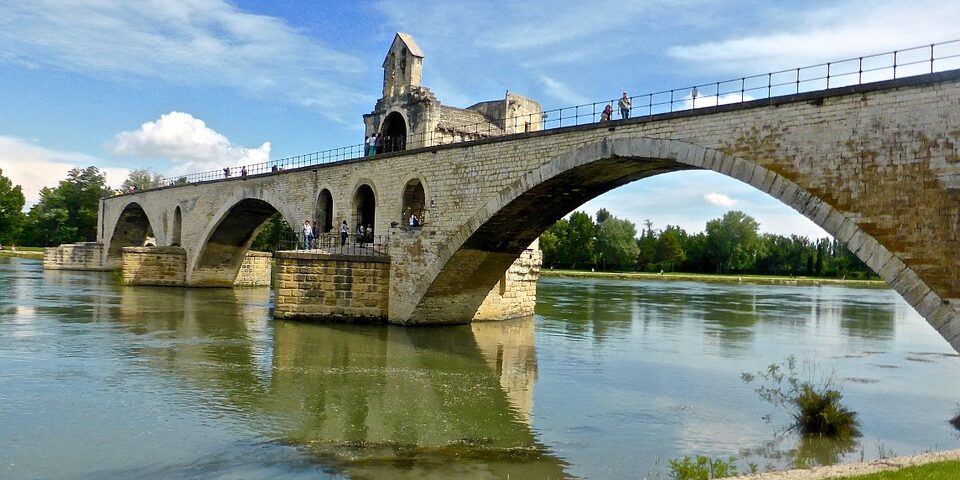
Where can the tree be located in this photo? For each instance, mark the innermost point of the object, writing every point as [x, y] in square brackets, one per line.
[11, 210]
[580, 243]
[732, 241]
[617, 244]
[670, 248]
[272, 235]
[141, 179]
[68, 213]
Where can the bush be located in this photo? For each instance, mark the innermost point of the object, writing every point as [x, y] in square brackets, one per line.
[814, 401]
[703, 468]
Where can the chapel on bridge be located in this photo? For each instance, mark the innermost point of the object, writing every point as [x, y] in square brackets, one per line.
[410, 116]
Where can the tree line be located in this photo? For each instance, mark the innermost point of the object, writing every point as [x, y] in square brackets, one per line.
[730, 244]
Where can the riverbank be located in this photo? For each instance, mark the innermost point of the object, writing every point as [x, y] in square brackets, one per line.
[25, 252]
[711, 278]
[936, 463]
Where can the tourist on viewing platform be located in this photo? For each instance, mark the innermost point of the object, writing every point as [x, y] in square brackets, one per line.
[369, 233]
[360, 234]
[606, 114]
[307, 234]
[343, 233]
[414, 221]
[378, 143]
[243, 171]
[226, 172]
[371, 145]
[625, 105]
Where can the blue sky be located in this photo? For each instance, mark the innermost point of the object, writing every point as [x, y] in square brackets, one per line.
[178, 86]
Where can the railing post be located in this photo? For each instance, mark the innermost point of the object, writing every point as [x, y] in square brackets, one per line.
[931, 58]
[769, 85]
[828, 74]
[894, 64]
[718, 93]
[860, 72]
[798, 80]
[671, 100]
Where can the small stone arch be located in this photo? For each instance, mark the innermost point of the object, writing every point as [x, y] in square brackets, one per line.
[393, 133]
[413, 201]
[132, 229]
[177, 227]
[324, 216]
[364, 206]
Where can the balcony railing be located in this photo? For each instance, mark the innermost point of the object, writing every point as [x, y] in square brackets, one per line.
[920, 60]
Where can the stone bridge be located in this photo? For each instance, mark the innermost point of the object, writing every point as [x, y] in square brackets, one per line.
[875, 165]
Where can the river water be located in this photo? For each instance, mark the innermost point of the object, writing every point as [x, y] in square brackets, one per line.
[610, 379]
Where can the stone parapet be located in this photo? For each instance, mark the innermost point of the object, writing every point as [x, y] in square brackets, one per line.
[338, 288]
[161, 266]
[74, 256]
[515, 295]
[255, 270]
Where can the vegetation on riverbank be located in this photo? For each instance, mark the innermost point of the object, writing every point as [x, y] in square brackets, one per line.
[28, 252]
[715, 278]
[949, 470]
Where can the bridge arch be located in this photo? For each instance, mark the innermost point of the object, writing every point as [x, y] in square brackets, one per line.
[394, 133]
[177, 227]
[413, 200]
[324, 209]
[451, 290]
[364, 205]
[217, 260]
[131, 229]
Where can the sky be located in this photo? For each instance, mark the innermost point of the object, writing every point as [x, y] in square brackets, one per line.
[180, 86]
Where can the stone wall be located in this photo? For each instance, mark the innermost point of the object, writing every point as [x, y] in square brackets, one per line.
[255, 271]
[515, 295]
[74, 256]
[318, 286]
[162, 266]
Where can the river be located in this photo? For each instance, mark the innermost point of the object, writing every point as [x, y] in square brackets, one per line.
[610, 379]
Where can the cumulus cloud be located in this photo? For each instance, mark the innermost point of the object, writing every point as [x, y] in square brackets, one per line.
[830, 33]
[34, 167]
[209, 43]
[188, 142]
[562, 91]
[719, 199]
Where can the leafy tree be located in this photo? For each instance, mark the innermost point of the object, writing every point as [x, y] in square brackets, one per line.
[580, 244]
[602, 216]
[141, 179]
[272, 235]
[553, 243]
[67, 213]
[670, 248]
[616, 243]
[732, 241]
[11, 210]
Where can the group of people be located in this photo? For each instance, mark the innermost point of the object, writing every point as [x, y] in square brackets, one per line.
[380, 143]
[625, 104]
[309, 233]
[13, 248]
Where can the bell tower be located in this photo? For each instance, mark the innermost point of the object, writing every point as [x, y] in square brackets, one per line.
[403, 66]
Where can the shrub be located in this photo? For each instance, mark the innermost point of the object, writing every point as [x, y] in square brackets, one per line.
[703, 468]
[813, 401]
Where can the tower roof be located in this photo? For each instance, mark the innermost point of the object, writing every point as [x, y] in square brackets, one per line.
[410, 44]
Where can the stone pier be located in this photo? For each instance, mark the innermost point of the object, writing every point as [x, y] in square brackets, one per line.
[74, 256]
[329, 287]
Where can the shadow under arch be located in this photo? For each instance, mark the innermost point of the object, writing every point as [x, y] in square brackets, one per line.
[130, 230]
[226, 244]
[177, 227]
[324, 216]
[486, 245]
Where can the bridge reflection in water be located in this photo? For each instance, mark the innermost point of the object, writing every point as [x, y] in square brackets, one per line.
[367, 401]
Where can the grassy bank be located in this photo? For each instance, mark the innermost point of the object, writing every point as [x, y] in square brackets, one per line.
[931, 471]
[28, 252]
[712, 278]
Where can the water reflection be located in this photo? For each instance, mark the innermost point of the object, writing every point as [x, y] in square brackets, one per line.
[367, 400]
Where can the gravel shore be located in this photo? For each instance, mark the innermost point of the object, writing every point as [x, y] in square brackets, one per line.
[852, 469]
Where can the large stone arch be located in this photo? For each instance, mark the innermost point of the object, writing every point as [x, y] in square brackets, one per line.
[471, 262]
[216, 261]
[130, 229]
[414, 198]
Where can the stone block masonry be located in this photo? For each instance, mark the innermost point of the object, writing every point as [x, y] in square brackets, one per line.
[74, 256]
[255, 270]
[337, 288]
[161, 266]
[515, 295]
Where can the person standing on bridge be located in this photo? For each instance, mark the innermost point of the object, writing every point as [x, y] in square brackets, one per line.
[371, 145]
[625, 105]
[606, 114]
[343, 233]
[307, 234]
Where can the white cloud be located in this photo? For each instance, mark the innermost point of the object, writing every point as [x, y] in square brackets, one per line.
[34, 167]
[719, 199]
[827, 34]
[189, 42]
[188, 142]
[562, 92]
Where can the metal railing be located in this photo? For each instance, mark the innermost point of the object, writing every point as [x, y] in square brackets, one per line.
[931, 58]
[335, 244]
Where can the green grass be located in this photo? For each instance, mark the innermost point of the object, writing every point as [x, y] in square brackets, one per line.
[931, 471]
[716, 278]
